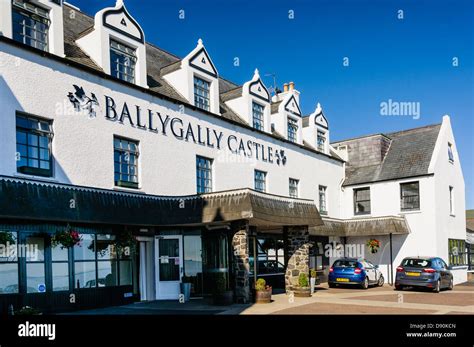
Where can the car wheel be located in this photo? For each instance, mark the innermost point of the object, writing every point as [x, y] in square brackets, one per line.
[381, 281]
[451, 284]
[398, 287]
[365, 284]
[437, 288]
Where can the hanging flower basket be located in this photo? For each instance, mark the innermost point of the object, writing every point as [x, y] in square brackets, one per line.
[373, 245]
[126, 243]
[6, 237]
[66, 238]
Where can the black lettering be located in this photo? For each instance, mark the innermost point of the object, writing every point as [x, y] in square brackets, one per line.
[180, 129]
[218, 138]
[110, 107]
[164, 123]
[231, 137]
[190, 132]
[125, 114]
[200, 141]
[150, 121]
[139, 124]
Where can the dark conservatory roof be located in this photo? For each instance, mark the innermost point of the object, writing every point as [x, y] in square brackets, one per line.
[408, 154]
[372, 226]
[29, 199]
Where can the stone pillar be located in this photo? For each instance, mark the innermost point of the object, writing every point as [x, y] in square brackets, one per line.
[297, 251]
[240, 245]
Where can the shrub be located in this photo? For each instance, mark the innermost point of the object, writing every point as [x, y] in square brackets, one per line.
[261, 284]
[303, 280]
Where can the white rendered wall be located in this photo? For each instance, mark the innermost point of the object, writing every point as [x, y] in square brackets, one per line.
[83, 147]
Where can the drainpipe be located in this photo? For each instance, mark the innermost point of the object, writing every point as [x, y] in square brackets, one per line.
[391, 261]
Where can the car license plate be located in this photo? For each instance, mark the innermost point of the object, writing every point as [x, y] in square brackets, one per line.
[415, 274]
[342, 280]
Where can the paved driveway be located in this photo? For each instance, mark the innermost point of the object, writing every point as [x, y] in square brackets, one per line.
[377, 300]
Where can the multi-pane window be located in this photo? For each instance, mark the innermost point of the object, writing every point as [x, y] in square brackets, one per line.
[30, 24]
[33, 145]
[203, 175]
[100, 262]
[292, 129]
[362, 201]
[293, 188]
[451, 200]
[457, 252]
[8, 262]
[260, 180]
[201, 93]
[322, 200]
[321, 141]
[450, 152]
[410, 196]
[125, 162]
[122, 61]
[257, 113]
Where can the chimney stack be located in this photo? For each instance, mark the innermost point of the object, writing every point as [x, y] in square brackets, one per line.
[285, 87]
[292, 86]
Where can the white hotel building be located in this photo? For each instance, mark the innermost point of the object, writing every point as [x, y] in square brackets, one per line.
[106, 134]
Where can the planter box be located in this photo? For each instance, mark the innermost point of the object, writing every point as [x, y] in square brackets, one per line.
[263, 296]
[223, 299]
[301, 292]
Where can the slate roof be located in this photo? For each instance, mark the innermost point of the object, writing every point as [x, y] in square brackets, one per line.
[274, 107]
[409, 155]
[159, 62]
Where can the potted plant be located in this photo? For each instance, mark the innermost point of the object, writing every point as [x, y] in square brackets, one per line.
[302, 290]
[66, 238]
[314, 280]
[222, 296]
[263, 293]
[374, 245]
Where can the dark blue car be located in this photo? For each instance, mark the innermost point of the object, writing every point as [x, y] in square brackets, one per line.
[428, 272]
[354, 271]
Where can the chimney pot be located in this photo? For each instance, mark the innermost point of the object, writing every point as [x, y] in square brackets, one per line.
[292, 85]
[285, 87]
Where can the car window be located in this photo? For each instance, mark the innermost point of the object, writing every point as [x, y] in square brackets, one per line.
[345, 263]
[443, 264]
[421, 263]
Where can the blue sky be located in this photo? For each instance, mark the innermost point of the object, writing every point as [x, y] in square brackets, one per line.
[408, 60]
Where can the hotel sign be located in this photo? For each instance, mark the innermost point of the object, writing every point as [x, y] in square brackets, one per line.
[180, 129]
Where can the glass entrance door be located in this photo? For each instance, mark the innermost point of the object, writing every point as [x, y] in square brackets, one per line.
[169, 266]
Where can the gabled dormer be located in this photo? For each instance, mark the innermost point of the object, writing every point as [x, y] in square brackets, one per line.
[196, 78]
[286, 114]
[251, 102]
[36, 23]
[316, 130]
[116, 43]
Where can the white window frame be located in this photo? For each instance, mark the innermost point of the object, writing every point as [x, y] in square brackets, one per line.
[293, 186]
[209, 92]
[451, 201]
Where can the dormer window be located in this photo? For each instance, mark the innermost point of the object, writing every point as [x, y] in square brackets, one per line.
[30, 24]
[201, 93]
[292, 129]
[257, 115]
[122, 61]
[321, 141]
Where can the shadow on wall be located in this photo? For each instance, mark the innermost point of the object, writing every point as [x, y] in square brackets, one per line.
[10, 107]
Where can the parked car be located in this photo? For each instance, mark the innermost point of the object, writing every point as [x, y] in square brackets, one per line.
[354, 271]
[428, 272]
